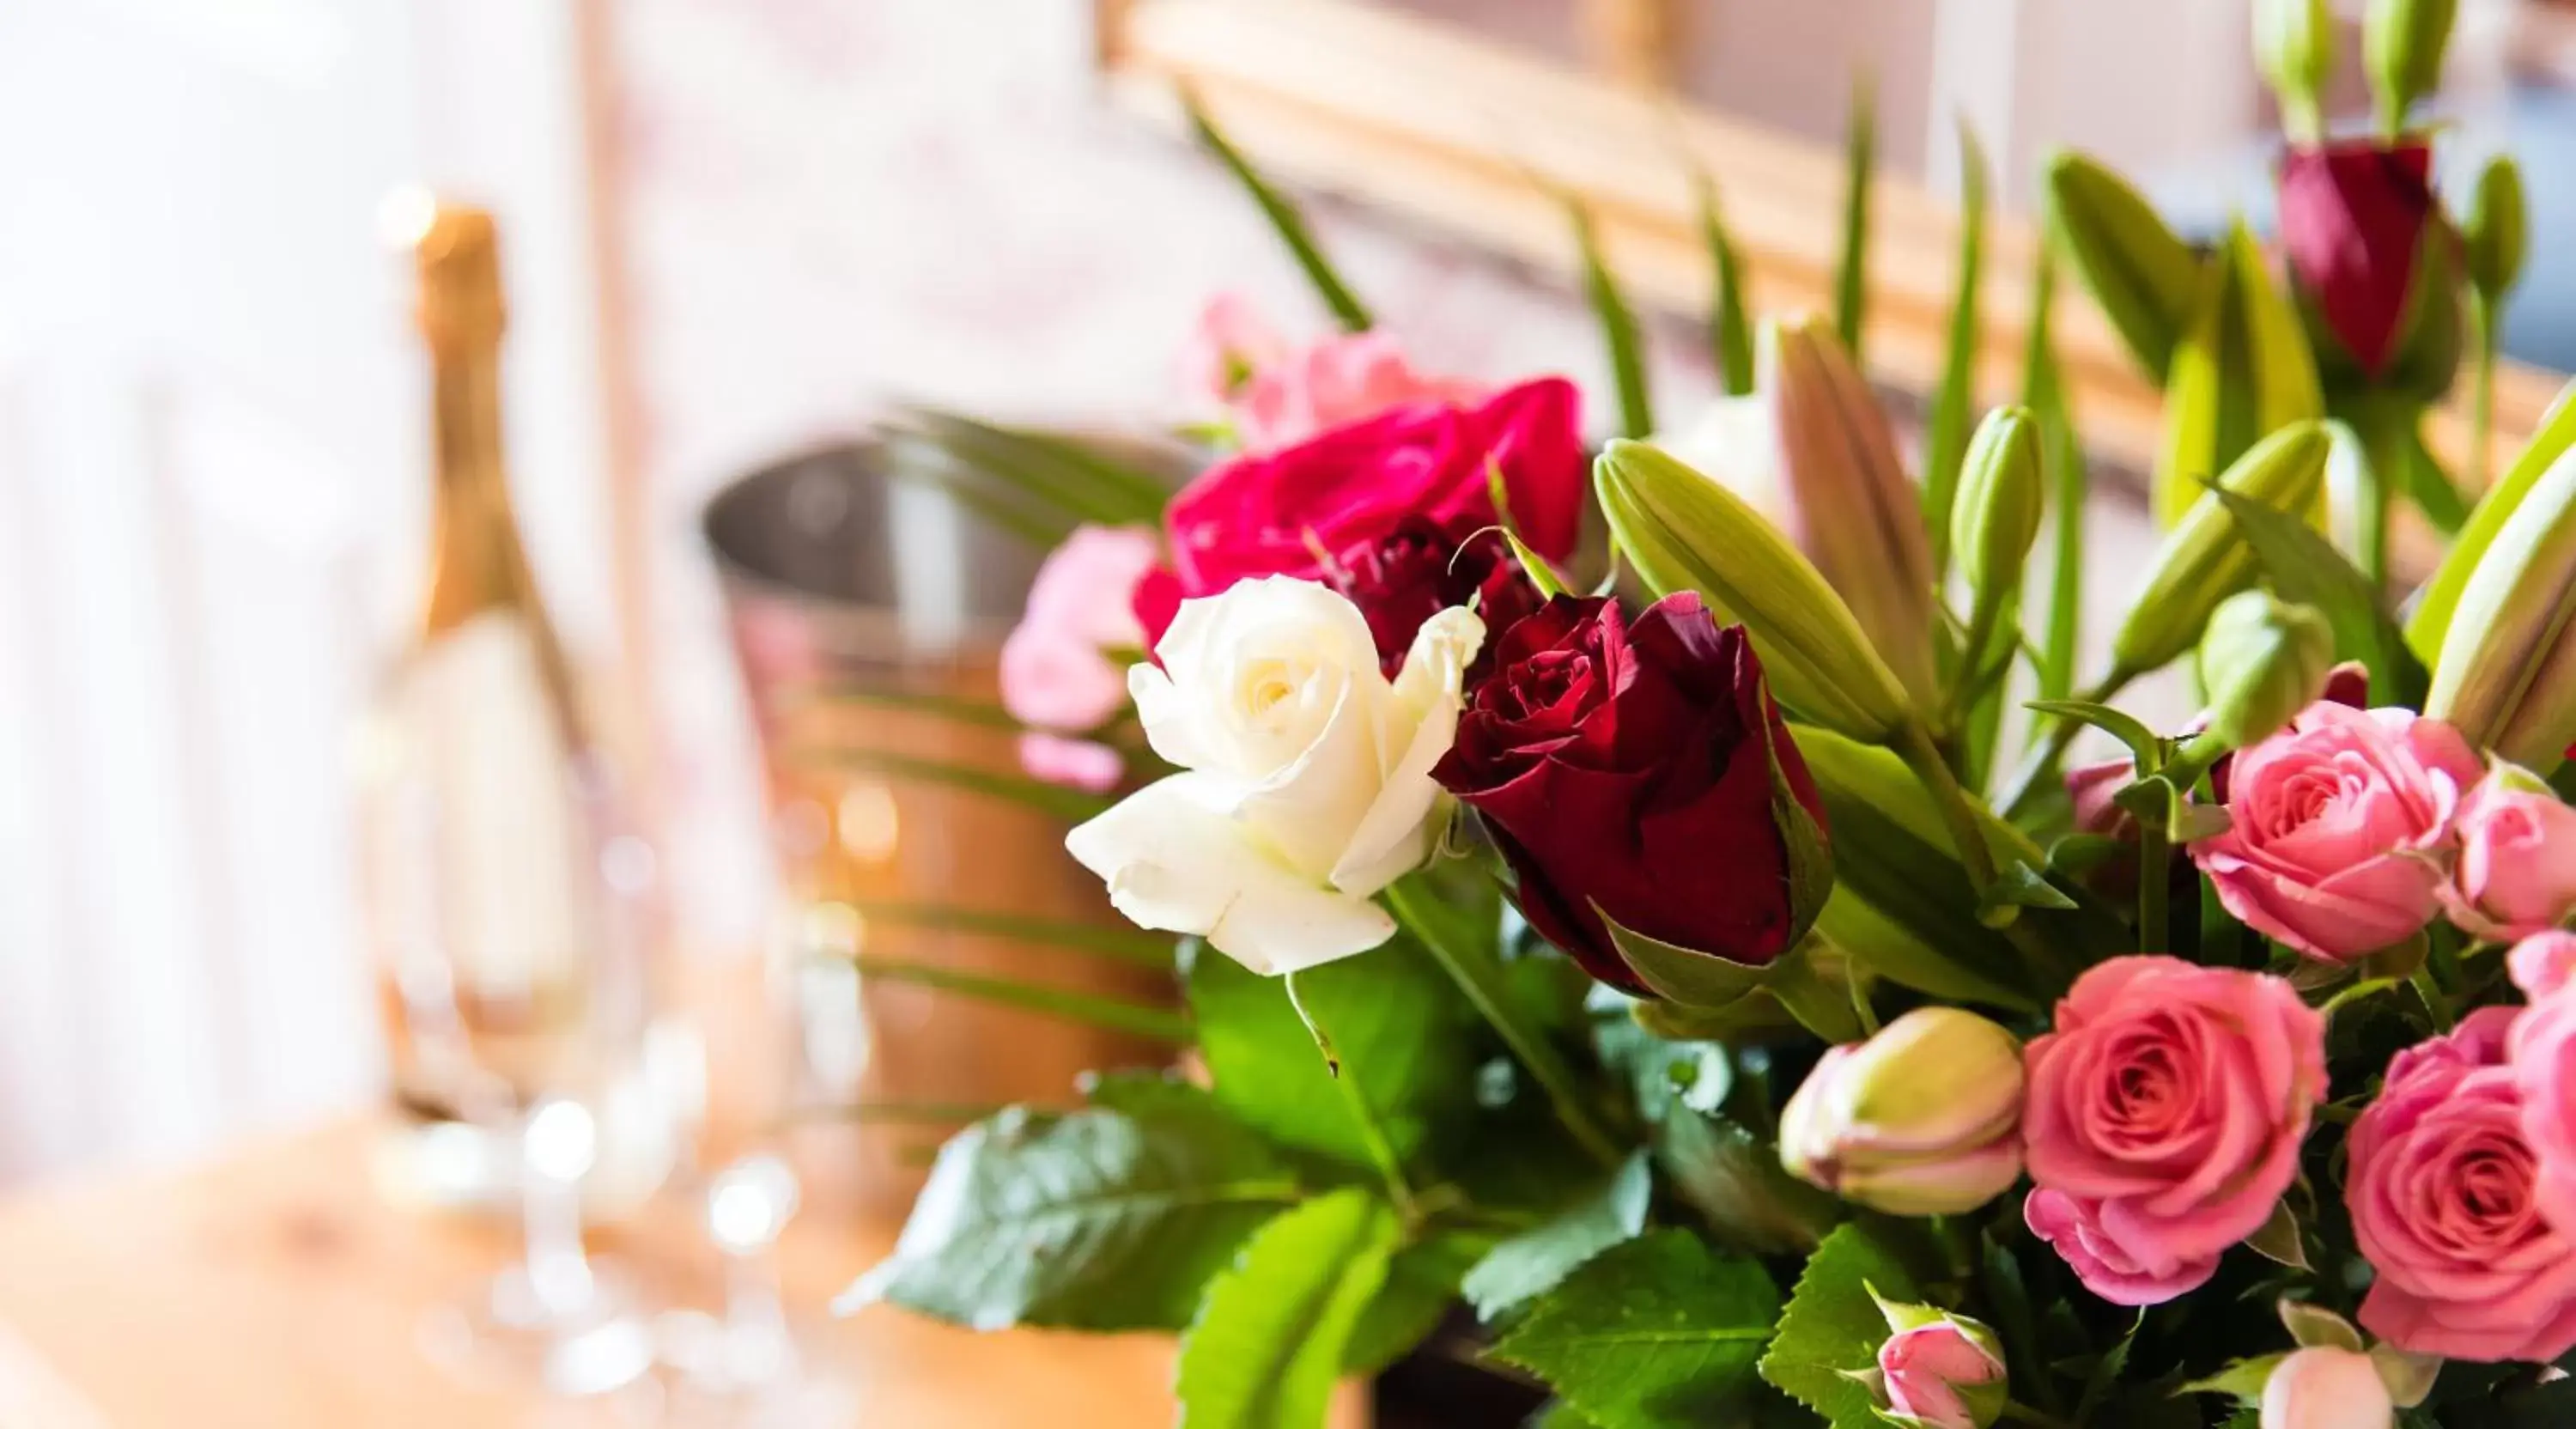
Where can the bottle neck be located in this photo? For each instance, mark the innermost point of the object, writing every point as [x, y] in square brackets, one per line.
[476, 563]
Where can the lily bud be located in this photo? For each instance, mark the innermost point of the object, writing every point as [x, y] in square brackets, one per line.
[2204, 558]
[2262, 660]
[2506, 677]
[2294, 45]
[1996, 515]
[1683, 531]
[1920, 1120]
[1937, 1370]
[2141, 273]
[1846, 500]
[2401, 47]
[2496, 237]
[2326, 1387]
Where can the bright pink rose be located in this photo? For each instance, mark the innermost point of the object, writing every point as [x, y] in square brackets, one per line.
[1287, 512]
[1924, 1369]
[2165, 1111]
[2543, 963]
[2517, 868]
[1279, 395]
[2337, 827]
[2443, 1190]
[2544, 1068]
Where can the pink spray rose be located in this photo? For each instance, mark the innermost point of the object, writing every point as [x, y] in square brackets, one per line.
[2543, 1049]
[2444, 1195]
[1279, 395]
[2338, 827]
[2165, 1111]
[2517, 868]
[1941, 1376]
[1056, 673]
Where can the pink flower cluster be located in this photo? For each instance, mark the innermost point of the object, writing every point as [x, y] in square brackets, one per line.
[2351, 829]
[1277, 394]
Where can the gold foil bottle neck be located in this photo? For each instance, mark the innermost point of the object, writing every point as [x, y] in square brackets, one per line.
[456, 251]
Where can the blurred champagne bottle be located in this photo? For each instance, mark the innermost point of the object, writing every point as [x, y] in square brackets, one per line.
[505, 895]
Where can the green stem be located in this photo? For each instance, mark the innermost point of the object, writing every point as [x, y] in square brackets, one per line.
[1546, 1068]
[2044, 760]
[2383, 424]
[2155, 887]
[1381, 1152]
[1915, 746]
[2482, 389]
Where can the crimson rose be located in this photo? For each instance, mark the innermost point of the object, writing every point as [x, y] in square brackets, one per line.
[1625, 769]
[1298, 510]
[1417, 570]
[2353, 217]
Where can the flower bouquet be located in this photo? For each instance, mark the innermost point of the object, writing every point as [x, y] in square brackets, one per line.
[1602, 903]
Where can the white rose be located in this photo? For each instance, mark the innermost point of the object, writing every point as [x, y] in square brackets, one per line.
[1307, 774]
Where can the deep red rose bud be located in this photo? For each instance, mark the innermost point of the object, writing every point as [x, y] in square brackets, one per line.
[2353, 217]
[1415, 571]
[1638, 771]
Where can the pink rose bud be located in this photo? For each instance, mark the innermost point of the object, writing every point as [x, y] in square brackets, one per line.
[2335, 827]
[2353, 217]
[1941, 1371]
[2516, 874]
[2323, 1387]
[2445, 1191]
[1920, 1120]
[2148, 1055]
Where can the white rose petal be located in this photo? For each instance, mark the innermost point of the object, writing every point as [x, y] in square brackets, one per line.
[1310, 774]
[1176, 860]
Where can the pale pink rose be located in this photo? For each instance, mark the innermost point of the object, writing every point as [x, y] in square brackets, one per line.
[2517, 866]
[1232, 341]
[2543, 963]
[1278, 394]
[1076, 763]
[1055, 671]
[2165, 1110]
[1925, 1368]
[2340, 828]
[1335, 382]
[2444, 1194]
[2324, 1387]
[2543, 1053]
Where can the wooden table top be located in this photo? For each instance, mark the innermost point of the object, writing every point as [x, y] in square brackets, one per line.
[274, 1290]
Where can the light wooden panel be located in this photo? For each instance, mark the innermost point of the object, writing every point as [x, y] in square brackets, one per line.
[1440, 128]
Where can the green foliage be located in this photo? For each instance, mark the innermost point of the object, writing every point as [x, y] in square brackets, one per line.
[1619, 333]
[1406, 1043]
[1100, 1219]
[1534, 1261]
[1954, 402]
[1267, 1343]
[1085, 1007]
[1421, 1284]
[2144, 277]
[1046, 478]
[2301, 565]
[1657, 1333]
[1730, 331]
[1851, 267]
[1285, 221]
[1734, 1180]
[1833, 1325]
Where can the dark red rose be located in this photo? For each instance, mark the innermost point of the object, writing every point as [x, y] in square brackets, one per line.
[1291, 511]
[1415, 571]
[2353, 217]
[1627, 767]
